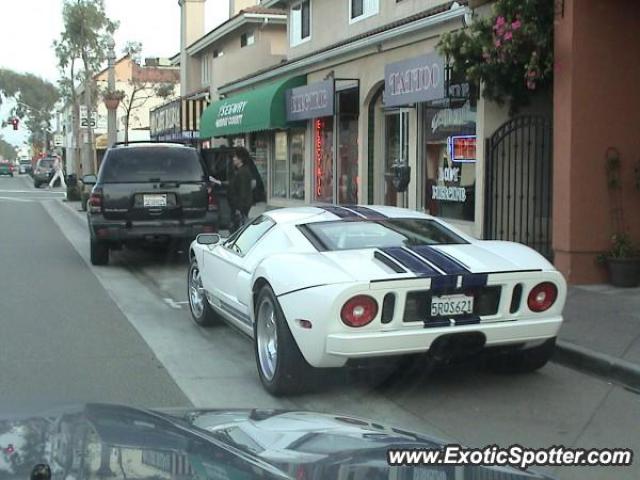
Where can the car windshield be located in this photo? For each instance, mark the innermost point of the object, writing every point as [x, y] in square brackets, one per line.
[396, 232]
[146, 164]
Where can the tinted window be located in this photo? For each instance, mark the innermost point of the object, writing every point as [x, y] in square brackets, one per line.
[46, 163]
[251, 235]
[396, 232]
[145, 164]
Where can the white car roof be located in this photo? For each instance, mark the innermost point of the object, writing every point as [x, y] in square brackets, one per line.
[328, 213]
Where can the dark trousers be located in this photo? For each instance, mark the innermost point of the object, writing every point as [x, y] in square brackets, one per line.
[240, 218]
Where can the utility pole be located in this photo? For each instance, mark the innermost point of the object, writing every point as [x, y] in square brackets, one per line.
[112, 107]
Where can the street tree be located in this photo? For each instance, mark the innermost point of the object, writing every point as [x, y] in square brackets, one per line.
[7, 151]
[85, 37]
[34, 99]
[145, 84]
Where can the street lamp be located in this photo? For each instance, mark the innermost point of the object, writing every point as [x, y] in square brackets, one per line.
[111, 103]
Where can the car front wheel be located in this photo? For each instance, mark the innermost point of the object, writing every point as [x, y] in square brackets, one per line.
[201, 311]
[523, 360]
[281, 366]
[99, 253]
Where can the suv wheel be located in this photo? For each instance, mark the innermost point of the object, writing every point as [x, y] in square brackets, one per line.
[99, 253]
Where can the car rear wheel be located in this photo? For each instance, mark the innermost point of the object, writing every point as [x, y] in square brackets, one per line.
[99, 253]
[523, 360]
[281, 366]
[201, 311]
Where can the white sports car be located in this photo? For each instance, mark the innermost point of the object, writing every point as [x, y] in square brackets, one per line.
[320, 286]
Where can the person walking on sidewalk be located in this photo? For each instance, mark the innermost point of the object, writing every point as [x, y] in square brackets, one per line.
[240, 188]
[58, 173]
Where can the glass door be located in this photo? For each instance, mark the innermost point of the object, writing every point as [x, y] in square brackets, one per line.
[396, 150]
[348, 102]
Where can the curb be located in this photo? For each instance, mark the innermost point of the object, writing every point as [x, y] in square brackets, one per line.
[601, 364]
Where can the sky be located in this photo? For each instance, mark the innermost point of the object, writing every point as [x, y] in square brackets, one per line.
[29, 27]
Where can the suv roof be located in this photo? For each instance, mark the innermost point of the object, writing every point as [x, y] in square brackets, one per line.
[149, 143]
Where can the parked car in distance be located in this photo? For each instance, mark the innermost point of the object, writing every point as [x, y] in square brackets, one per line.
[43, 171]
[25, 166]
[326, 286]
[148, 192]
[6, 168]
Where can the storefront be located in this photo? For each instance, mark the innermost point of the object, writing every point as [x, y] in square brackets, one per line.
[256, 119]
[178, 121]
[331, 108]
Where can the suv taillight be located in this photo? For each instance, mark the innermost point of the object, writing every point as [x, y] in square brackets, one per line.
[542, 297]
[359, 311]
[212, 202]
[95, 200]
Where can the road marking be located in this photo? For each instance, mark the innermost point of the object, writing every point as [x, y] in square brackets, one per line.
[49, 192]
[172, 303]
[12, 199]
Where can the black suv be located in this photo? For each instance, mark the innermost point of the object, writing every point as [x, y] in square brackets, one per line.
[148, 192]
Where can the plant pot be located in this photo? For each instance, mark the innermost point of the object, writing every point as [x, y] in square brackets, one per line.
[624, 272]
[111, 103]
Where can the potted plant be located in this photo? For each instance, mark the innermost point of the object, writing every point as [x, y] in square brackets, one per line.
[112, 98]
[622, 261]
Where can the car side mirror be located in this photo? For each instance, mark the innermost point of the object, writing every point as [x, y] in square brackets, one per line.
[89, 179]
[208, 239]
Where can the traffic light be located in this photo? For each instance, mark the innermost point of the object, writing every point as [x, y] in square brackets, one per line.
[9, 449]
[15, 122]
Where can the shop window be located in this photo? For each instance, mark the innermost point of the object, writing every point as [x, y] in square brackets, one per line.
[449, 161]
[279, 167]
[323, 160]
[348, 111]
[296, 166]
[247, 39]
[361, 9]
[300, 22]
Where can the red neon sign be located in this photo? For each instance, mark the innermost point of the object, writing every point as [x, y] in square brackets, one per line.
[318, 152]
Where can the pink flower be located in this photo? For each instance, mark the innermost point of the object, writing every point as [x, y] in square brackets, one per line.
[500, 21]
[497, 43]
[531, 85]
[508, 36]
[532, 74]
[486, 55]
[516, 25]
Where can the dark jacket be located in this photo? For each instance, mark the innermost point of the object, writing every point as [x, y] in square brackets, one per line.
[240, 192]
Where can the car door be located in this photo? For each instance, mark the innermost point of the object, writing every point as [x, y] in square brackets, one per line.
[226, 269]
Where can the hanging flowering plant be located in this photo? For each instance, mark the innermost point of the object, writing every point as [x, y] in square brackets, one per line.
[510, 51]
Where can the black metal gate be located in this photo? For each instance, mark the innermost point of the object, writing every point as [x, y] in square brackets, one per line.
[518, 183]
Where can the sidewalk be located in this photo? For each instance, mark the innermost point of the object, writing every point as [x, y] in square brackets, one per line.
[601, 332]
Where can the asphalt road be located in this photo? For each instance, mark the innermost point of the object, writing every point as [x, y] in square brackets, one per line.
[62, 338]
[142, 295]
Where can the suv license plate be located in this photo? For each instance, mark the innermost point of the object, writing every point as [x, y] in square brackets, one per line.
[451, 305]
[155, 200]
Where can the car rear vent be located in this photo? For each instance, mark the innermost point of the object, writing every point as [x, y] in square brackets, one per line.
[516, 298]
[388, 262]
[388, 307]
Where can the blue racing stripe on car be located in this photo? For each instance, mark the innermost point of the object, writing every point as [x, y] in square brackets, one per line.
[407, 260]
[366, 212]
[441, 260]
[339, 211]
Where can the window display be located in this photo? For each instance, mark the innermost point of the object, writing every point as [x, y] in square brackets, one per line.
[279, 168]
[450, 161]
[296, 167]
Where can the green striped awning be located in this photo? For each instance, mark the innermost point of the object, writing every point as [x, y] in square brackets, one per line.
[263, 108]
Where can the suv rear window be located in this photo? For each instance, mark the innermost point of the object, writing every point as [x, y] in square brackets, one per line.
[46, 163]
[150, 164]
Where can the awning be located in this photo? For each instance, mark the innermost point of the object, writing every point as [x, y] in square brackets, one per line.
[263, 108]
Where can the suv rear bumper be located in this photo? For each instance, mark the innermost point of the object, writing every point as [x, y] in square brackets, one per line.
[121, 230]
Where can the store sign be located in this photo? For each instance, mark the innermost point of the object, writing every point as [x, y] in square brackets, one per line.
[445, 192]
[311, 101]
[415, 80]
[462, 148]
[231, 114]
[165, 119]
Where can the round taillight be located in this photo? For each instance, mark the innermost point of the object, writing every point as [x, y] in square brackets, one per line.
[542, 297]
[359, 311]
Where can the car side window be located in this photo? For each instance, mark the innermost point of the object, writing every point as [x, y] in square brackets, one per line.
[250, 235]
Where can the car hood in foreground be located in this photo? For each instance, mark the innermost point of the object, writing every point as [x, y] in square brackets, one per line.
[97, 440]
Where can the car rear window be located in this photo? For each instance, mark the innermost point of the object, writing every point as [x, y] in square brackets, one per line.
[148, 164]
[46, 163]
[392, 232]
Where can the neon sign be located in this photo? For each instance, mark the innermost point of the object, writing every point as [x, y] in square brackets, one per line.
[319, 148]
[462, 148]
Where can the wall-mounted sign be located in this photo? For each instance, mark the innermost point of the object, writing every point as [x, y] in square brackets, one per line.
[165, 119]
[231, 114]
[311, 101]
[415, 80]
[462, 148]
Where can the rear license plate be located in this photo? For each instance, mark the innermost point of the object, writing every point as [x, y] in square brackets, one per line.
[451, 305]
[152, 201]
